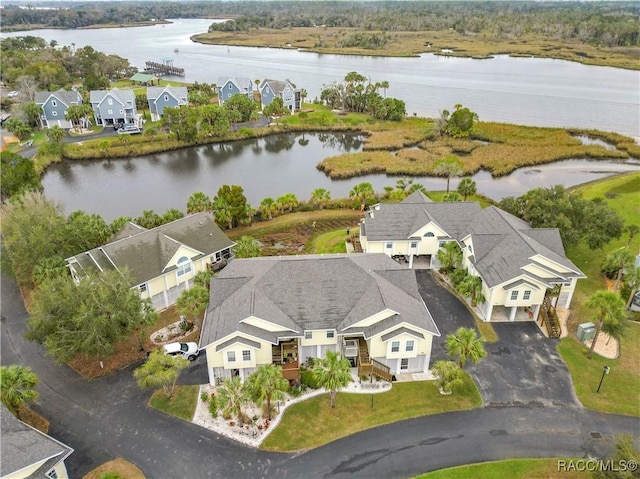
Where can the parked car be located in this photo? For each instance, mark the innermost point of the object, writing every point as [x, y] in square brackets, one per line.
[13, 94]
[129, 130]
[186, 350]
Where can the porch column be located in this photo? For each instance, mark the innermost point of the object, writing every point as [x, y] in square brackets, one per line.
[489, 312]
[512, 314]
[536, 312]
[411, 261]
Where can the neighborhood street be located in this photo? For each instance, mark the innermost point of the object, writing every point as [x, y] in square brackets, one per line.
[108, 417]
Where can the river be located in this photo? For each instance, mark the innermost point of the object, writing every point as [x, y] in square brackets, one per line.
[528, 91]
[264, 167]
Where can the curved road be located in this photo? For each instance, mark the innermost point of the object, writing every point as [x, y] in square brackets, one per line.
[108, 417]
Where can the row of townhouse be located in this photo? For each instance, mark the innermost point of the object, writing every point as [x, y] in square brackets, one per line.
[117, 106]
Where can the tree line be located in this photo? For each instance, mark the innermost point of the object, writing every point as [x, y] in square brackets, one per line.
[600, 23]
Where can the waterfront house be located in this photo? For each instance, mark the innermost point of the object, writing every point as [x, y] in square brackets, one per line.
[285, 310]
[160, 98]
[54, 107]
[270, 89]
[115, 106]
[26, 452]
[227, 87]
[162, 261]
[525, 272]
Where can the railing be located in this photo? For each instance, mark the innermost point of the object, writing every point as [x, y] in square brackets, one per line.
[550, 319]
[370, 367]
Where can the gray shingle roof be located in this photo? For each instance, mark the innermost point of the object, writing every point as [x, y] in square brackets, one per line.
[147, 253]
[125, 96]
[66, 97]
[399, 331]
[277, 86]
[240, 82]
[311, 293]
[417, 197]
[237, 339]
[178, 92]
[22, 446]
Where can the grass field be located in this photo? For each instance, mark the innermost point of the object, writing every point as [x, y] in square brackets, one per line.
[620, 392]
[312, 423]
[182, 405]
[403, 44]
[511, 468]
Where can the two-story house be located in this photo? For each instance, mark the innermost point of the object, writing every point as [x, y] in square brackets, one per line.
[115, 106]
[284, 310]
[525, 272]
[54, 107]
[228, 87]
[270, 89]
[169, 96]
[162, 261]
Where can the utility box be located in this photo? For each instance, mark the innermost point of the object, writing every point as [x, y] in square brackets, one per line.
[586, 331]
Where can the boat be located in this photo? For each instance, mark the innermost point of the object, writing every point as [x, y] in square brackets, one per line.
[176, 50]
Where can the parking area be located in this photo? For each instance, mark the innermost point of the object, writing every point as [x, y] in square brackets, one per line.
[522, 368]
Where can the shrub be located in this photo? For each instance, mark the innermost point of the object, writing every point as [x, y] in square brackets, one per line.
[457, 276]
[110, 475]
[308, 379]
[247, 132]
[204, 397]
[213, 406]
[296, 391]
[303, 114]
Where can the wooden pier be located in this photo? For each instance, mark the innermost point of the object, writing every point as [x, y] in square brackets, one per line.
[165, 68]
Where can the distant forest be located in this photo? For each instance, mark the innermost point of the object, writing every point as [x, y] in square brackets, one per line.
[607, 24]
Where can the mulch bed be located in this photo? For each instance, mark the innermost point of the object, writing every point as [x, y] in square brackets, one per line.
[33, 419]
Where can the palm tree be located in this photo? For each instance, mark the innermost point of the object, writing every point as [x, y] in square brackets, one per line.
[467, 187]
[192, 302]
[267, 384]
[449, 256]
[160, 370]
[449, 376]
[452, 197]
[320, 197]
[49, 268]
[16, 386]
[203, 278]
[450, 166]
[633, 231]
[332, 373]
[384, 85]
[608, 308]
[362, 192]
[472, 286]
[198, 202]
[417, 187]
[268, 207]
[288, 201]
[232, 395]
[56, 133]
[222, 212]
[633, 282]
[246, 247]
[466, 345]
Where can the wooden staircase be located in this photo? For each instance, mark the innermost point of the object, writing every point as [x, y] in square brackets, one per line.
[371, 367]
[550, 319]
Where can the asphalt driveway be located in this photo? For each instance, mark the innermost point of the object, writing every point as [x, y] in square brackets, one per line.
[522, 368]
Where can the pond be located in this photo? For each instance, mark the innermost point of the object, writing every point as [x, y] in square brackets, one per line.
[270, 166]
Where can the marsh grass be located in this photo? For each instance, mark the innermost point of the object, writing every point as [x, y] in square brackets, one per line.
[403, 44]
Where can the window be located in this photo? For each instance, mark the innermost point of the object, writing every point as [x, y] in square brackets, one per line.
[231, 356]
[52, 474]
[246, 355]
[143, 288]
[404, 364]
[410, 344]
[441, 244]
[389, 246]
[308, 335]
[230, 86]
[184, 266]
[54, 103]
[429, 234]
[110, 112]
[514, 295]
[395, 346]
[414, 244]
[331, 334]
[54, 113]
[470, 249]
[166, 98]
[110, 101]
[527, 294]
[121, 112]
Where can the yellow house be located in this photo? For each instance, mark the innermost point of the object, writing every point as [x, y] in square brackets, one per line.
[285, 310]
[525, 272]
[27, 452]
[164, 260]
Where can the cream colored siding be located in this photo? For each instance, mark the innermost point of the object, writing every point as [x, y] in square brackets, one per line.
[26, 472]
[61, 471]
[182, 251]
[387, 313]
[550, 264]
[374, 247]
[319, 338]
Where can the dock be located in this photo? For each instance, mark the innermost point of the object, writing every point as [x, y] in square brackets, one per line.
[164, 68]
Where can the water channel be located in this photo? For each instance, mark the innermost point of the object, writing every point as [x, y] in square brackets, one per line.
[264, 167]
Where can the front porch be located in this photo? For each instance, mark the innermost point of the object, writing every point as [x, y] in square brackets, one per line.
[285, 354]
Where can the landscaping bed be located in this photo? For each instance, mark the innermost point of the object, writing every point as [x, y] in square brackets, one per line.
[119, 468]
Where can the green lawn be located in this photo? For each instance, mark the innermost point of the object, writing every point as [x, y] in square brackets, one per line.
[620, 391]
[312, 423]
[182, 405]
[511, 468]
[329, 243]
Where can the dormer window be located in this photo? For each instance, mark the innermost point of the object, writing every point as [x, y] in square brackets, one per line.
[166, 98]
[184, 266]
[429, 234]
